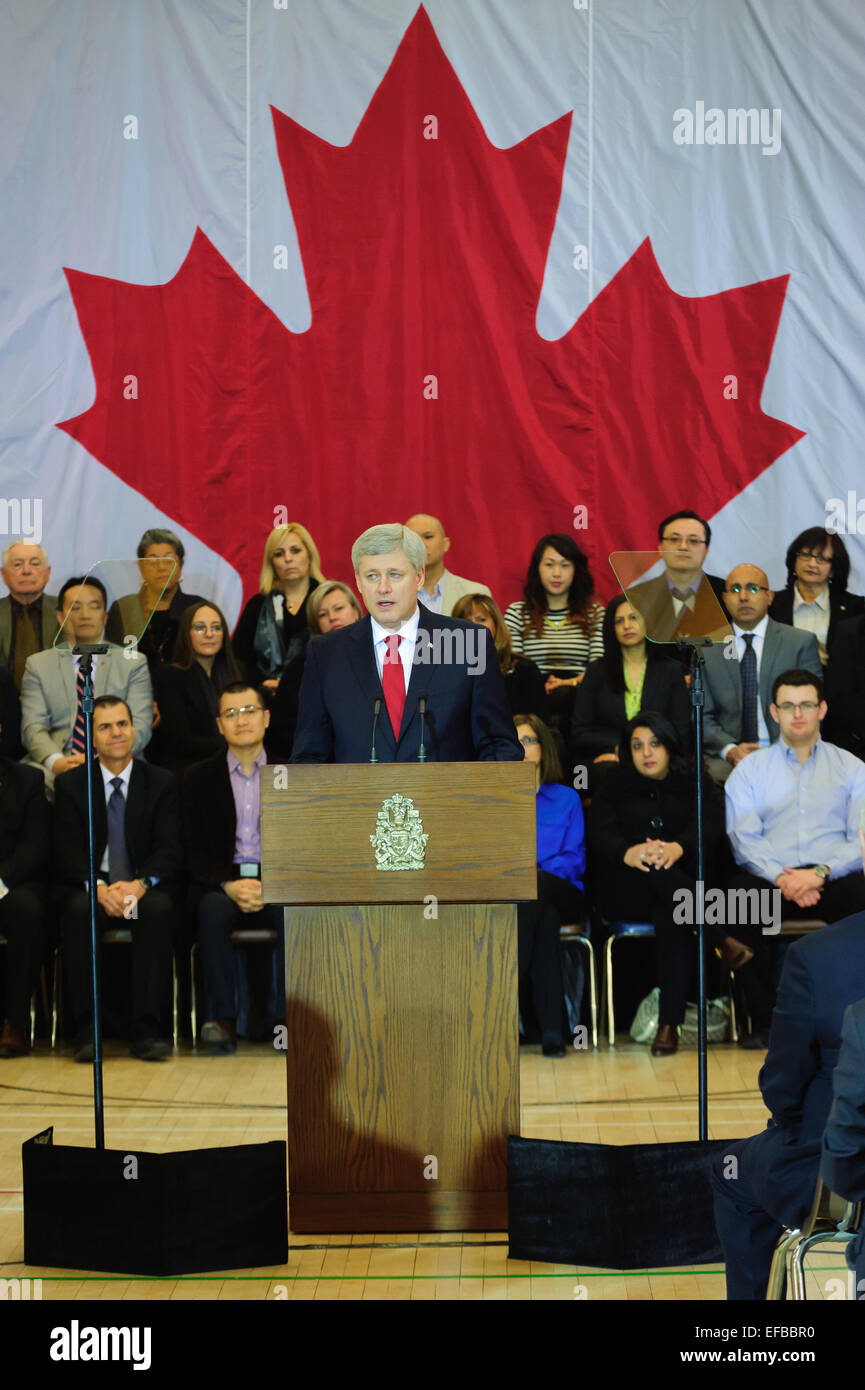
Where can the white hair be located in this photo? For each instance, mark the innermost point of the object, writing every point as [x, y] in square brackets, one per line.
[382, 540]
[22, 540]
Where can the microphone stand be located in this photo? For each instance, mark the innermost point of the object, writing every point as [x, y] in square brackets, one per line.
[87, 651]
[698, 697]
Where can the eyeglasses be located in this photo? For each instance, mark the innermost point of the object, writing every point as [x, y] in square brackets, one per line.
[528, 739]
[748, 588]
[805, 706]
[202, 628]
[818, 559]
[244, 709]
[692, 542]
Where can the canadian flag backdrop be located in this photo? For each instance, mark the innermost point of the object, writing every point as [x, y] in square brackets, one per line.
[517, 263]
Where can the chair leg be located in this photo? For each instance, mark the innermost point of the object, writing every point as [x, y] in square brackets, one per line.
[55, 996]
[731, 995]
[593, 994]
[778, 1270]
[32, 1019]
[193, 998]
[795, 1263]
[175, 1030]
[608, 976]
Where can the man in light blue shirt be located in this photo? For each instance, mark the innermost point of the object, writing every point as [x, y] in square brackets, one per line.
[793, 818]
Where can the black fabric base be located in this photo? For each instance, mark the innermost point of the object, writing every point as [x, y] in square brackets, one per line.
[638, 1206]
[127, 1212]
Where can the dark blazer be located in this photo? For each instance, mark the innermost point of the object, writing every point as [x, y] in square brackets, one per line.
[625, 804]
[823, 974]
[842, 607]
[653, 600]
[209, 824]
[845, 688]
[294, 625]
[187, 729]
[599, 710]
[10, 717]
[843, 1164]
[126, 616]
[525, 688]
[152, 825]
[784, 648]
[25, 824]
[467, 716]
[48, 624]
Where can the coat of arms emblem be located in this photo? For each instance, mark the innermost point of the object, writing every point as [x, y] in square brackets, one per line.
[399, 840]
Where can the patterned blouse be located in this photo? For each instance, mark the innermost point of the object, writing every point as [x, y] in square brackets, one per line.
[563, 649]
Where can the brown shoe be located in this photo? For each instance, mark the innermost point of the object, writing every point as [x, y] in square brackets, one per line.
[14, 1042]
[734, 952]
[666, 1040]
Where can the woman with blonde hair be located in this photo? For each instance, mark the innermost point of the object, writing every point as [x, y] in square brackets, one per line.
[272, 629]
[523, 680]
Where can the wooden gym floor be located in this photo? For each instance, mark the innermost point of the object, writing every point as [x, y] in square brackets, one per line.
[195, 1100]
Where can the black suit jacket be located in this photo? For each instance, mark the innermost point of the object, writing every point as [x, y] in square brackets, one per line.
[209, 824]
[152, 825]
[653, 600]
[187, 729]
[599, 710]
[467, 716]
[25, 824]
[842, 607]
[845, 688]
[843, 1164]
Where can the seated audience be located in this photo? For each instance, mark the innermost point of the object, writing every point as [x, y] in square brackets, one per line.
[187, 692]
[683, 601]
[766, 1182]
[843, 1163]
[159, 602]
[222, 831]
[561, 853]
[642, 833]
[52, 719]
[524, 683]
[28, 616]
[633, 674]
[139, 864]
[25, 837]
[10, 717]
[737, 718]
[441, 589]
[792, 818]
[272, 629]
[845, 688]
[558, 623]
[816, 598]
[330, 607]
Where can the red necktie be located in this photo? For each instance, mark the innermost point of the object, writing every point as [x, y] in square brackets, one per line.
[393, 683]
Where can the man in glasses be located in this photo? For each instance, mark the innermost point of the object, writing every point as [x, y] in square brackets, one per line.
[738, 717]
[683, 601]
[222, 831]
[793, 818]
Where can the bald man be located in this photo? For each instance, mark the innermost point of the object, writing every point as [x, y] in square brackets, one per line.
[441, 588]
[737, 718]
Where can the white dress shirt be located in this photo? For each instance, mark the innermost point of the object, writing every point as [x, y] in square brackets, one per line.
[813, 617]
[124, 790]
[408, 634]
[758, 633]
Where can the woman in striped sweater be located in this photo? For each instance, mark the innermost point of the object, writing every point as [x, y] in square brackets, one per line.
[558, 623]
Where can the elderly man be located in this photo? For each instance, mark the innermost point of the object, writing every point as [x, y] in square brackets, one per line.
[738, 718]
[441, 589]
[28, 622]
[363, 686]
[52, 719]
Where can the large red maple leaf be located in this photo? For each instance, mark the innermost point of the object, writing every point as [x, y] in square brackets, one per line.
[422, 384]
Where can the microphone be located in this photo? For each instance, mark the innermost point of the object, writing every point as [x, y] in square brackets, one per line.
[376, 710]
[421, 752]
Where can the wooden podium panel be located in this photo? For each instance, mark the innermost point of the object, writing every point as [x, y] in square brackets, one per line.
[403, 1066]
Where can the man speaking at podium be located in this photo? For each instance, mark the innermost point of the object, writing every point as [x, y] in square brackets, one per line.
[403, 684]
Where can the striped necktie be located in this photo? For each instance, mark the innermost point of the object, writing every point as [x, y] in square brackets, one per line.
[78, 734]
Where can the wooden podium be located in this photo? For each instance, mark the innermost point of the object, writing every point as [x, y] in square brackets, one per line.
[401, 989]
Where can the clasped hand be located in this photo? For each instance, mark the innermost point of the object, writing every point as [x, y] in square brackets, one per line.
[800, 886]
[653, 854]
[246, 893]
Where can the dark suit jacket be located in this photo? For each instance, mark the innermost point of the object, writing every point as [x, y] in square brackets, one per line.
[784, 648]
[845, 688]
[653, 600]
[48, 625]
[10, 717]
[467, 716]
[209, 824]
[25, 824]
[842, 607]
[152, 825]
[187, 729]
[622, 811]
[823, 973]
[599, 710]
[126, 616]
[843, 1164]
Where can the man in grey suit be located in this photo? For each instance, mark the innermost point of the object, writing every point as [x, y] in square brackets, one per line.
[52, 728]
[737, 718]
[441, 588]
[28, 622]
